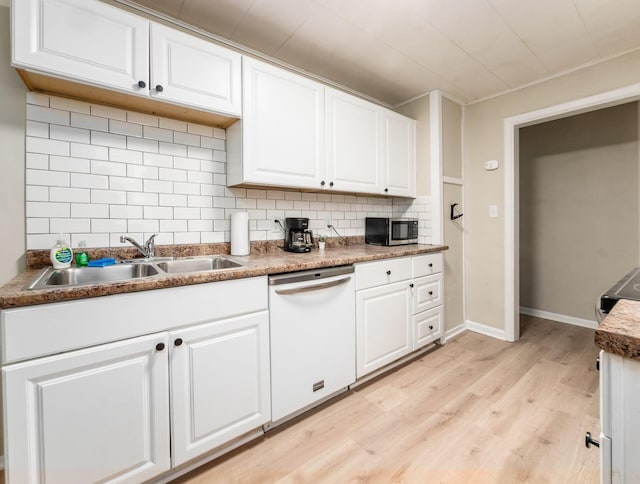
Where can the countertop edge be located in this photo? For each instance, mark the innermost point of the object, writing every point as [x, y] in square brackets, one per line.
[13, 294]
[619, 332]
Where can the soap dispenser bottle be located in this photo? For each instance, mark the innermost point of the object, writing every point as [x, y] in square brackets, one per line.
[82, 258]
[61, 254]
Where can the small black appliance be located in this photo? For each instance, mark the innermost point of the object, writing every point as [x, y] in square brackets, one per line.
[298, 237]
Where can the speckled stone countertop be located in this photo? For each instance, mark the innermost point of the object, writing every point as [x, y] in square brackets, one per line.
[13, 294]
[619, 332]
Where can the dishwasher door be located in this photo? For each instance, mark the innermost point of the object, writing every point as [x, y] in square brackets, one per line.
[313, 337]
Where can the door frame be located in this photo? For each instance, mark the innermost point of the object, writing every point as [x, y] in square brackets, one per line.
[512, 127]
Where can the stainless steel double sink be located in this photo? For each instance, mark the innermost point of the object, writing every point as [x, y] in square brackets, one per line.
[130, 270]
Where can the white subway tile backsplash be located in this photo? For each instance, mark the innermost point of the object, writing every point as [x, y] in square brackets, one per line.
[89, 122]
[124, 128]
[125, 156]
[159, 134]
[113, 171]
[37, 194]
[47, 146]
[37, 161]
[47, 209]
[37, 129]
[47, 178]
[67, 133]
[109, 196]
[186, 139]
[101, 138]
[80, 180]
[70, 105]
[72, 195]
[89, 151]
[108, 168]
[134, 198]
[125, 211]
[47, 115]
[66, 163]
[89, 210]
[108, 112]
[173, 124]
[140, 144]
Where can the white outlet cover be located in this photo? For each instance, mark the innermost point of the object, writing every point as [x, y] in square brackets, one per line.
[491, 165]
[493, 211]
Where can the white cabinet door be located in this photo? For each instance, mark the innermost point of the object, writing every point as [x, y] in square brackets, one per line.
[97, 414]
[354, 143]
[399, 158]
[82, 40]
[383, 332]
[282, 128]
[220, 383]
[194, 72]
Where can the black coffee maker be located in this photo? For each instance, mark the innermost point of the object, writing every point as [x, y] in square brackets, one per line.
[298, 237]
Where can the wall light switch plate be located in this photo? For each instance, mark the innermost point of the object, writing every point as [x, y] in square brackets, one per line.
[491, 165]
[493, 211]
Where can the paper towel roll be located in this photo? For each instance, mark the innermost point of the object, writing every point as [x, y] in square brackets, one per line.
[240, 233]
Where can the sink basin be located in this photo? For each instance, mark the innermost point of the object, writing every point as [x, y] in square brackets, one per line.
[197, 264]
[75, 276]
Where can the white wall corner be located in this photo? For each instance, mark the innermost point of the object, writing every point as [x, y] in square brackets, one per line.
[486, 330]
[435, 133]
[453, 332]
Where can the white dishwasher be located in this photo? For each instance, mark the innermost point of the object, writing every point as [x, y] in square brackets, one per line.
[313, 338]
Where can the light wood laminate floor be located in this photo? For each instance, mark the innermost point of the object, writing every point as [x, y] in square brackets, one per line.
[475, 410]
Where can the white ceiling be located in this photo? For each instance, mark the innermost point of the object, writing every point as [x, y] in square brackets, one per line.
[394, 50]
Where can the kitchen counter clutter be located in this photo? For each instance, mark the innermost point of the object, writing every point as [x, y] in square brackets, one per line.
[619, 333]
[14, 294]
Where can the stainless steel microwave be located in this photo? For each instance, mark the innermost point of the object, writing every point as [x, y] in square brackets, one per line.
[390, 231]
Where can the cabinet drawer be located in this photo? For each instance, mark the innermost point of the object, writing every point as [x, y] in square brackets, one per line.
[372, 274]
[427, 327]
[427, 293]
[425, 265]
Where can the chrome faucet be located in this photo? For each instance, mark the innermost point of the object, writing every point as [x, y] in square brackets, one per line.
[148, 251]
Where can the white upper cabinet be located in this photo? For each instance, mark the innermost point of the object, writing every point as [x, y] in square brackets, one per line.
[92, 43]
[82, 40]
[281, 139]
[353, 143]
[399, 157]
[194, 72]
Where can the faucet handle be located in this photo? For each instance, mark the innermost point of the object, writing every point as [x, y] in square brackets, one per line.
[149, 246]
[123, 239]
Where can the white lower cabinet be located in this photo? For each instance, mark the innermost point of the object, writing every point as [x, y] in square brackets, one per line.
[219, 383]
[399, 309]
[132, 409]
[92, 415]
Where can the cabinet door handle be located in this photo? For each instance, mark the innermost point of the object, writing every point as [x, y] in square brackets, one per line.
[411, 285]
[159, 88]
[178, 341]
[430, 264]
[160, 346]
[322, 183]
[431, 326]
[388, 273]
[142, 84]
[430, 293]
[386, 190]
[330, 184]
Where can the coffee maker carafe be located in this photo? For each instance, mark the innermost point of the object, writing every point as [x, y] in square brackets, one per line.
[298, 237]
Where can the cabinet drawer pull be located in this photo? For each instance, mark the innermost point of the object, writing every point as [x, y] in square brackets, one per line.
[142, 84]
[411, 285]
[388, 273]
[430, 293]
[431, 326]
[430, 264]
[160, 346]
[178, 341]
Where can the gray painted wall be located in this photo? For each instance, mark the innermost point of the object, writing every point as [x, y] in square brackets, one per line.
[578, 209]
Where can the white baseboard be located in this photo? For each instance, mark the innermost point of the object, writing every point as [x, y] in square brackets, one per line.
[486, 330]
[561, 318]
[453, 332]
